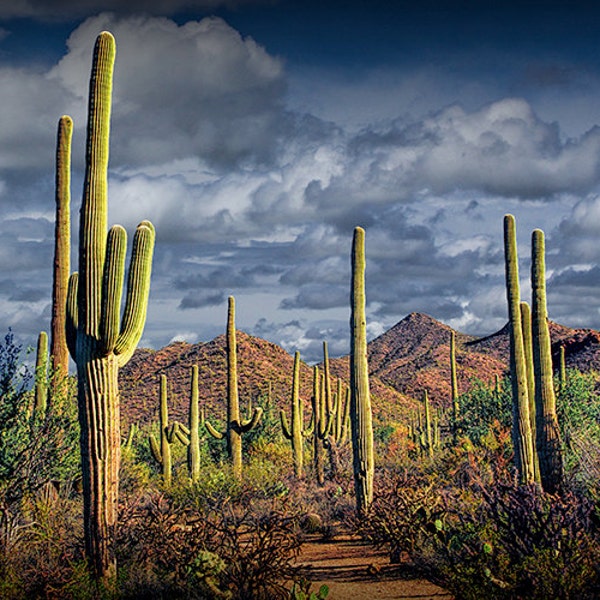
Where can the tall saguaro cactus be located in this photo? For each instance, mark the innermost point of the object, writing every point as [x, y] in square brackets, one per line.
[98, 339]
[235, 426]
[360, 399]
[547, 431]
[522, 438]
[59, 354]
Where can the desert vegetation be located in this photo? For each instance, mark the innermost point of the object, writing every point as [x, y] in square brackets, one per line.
[489, 487]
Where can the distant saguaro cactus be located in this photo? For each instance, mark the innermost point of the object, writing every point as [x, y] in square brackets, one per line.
[161, 450]
[98, 340]
[235, 426]
[454, 386]
[360, 399]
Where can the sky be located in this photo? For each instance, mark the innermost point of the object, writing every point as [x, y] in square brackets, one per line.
[256, 135]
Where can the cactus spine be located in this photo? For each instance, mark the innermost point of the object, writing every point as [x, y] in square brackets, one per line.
[162, 451]
[235, 426]
[59, 352]
[360, 400]
[98, 342]
[548, 435]
[522, 438]
[296, 432]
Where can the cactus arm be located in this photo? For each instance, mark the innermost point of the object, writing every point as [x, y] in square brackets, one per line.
[138, 289]
[183, 429]
[308, 431]
[172, 430]
[181, 437]
[214, 432]
[252, 422]
[285, 428]
[114, 270]
[155, 449]
[72, 314]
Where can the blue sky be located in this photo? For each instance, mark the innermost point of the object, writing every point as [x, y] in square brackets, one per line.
[257, 135]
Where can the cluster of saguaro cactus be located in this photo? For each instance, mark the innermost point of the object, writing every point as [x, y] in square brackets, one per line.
[424, 428]
[322, 423]
[98, 339]
[296, 432]
[235, 426]
[536, 436]
[360, 400]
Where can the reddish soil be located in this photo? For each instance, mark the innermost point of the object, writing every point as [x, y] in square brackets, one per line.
[356, 571]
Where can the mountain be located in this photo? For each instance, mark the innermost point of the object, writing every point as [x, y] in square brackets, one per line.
[412, 356]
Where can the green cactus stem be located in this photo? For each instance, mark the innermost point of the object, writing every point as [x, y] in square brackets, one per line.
[296, 433]
[528, 347]
[428, 425]
[562, 370]
[319, 427]
[235, 426]
[341, 411]
[161, 451]
[99, 342]
[59, 353]
[454, 386]
[522, 438]
[41, 376]
[360, 399]
[547, 431]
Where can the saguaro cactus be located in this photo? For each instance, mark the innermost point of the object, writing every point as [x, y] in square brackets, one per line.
[59, 353]
[321, 426]
[454, 386]
[189, 435]
[547, 431]
[235, 426]
[41, 375]
[522, 438]
[428, 425]
[98, 340]
[296, 432]
[360, 399]
[162, 450]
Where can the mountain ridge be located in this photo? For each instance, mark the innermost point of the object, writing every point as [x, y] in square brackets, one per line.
[411, 356]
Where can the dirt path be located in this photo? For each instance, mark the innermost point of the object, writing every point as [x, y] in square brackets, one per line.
[355, 571]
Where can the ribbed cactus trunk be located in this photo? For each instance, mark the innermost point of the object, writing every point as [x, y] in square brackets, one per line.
[428, 425]
[528, 346]
[320, 427]
[97, 340]
[234, 435]
[521, 431]
[59, 353]
[454, 386]
[295, 432]
[360, 399]
[41, 376]
[547, 431]
[194, 420]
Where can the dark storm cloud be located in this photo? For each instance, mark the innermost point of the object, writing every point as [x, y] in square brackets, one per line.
[202, 299]
[70, 9]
